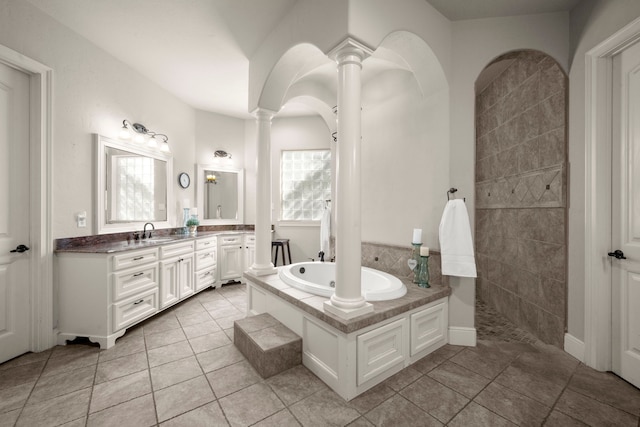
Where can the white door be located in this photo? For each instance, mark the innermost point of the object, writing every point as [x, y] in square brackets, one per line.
[625, 254]
[14, 213]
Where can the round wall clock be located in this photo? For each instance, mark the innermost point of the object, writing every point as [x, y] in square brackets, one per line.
[184, 180]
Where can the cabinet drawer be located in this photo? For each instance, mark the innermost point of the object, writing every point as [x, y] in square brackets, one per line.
[205, 259]
[168, 251]
[205, 278]
[131, 282]
[381, 350]
[206, 243]
[231, 240]
[130, 311]
[131, 259]
[249, 239]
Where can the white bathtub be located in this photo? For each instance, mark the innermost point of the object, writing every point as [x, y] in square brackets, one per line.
[318, 278]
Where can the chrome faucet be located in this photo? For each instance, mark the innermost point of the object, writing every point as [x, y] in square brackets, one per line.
[144, 231]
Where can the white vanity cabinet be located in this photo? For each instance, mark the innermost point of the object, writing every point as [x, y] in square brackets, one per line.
[100, 295]
[176, 269]
[206, 261]
[231, 265]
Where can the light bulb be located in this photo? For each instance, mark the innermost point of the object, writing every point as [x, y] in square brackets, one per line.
[152, 142]
[124, 132]
[139, 138]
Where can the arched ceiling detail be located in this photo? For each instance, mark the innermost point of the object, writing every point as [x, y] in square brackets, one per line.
[318, 107]
[417, 57]
[304, 71]
[288, 69]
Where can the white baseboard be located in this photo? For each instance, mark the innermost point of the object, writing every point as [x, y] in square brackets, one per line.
[574, 347]
[462, 336]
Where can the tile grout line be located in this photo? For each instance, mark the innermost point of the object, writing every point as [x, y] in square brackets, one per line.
[24, 405]
[215, 396]
[555, 403]
[492, 381]
[153, 395]
[600, 401]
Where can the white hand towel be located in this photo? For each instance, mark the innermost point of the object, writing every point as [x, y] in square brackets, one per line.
[456, 245]
[325, 234]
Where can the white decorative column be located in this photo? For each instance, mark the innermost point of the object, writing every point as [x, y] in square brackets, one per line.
[347, 301]
[262, 263]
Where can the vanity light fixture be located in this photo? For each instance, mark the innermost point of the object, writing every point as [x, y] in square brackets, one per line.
[223, 154]
[211, 179]
[141, 134]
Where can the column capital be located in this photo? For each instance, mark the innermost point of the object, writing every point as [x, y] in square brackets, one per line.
[347, 49]
[263, 113]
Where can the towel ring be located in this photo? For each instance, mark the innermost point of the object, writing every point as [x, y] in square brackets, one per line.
[451, 191]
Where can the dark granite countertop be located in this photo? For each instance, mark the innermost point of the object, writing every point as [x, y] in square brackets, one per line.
[107, 247]
[382, 310]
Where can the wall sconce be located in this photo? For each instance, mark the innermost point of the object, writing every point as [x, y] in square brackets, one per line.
[223, 154]
[334, 135]
[140, 134]
[211, 179]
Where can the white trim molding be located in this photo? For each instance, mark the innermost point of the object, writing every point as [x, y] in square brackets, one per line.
[598, 111]
[574, 347]
[459, 335]
[42, 334]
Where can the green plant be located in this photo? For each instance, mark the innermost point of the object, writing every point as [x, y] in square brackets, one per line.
[193, 222]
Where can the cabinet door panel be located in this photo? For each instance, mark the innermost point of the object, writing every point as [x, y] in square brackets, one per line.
[428, 327]
[169, 291]
[249, 256]
[230, 262]
[381, 350]
[186, 282]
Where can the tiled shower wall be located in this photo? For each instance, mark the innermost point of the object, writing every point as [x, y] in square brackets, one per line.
[521, 194]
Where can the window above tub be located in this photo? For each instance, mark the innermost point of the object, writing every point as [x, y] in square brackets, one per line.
[305, 184]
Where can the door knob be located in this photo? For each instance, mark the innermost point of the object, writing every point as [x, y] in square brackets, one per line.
[617, 254]
[20, 249]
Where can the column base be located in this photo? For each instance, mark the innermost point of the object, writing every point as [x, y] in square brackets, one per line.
[347, 313]
[262, 270]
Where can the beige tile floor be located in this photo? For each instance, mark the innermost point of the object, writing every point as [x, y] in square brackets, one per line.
[181, 369]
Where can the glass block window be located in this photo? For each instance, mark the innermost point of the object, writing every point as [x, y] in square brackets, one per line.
[305, 182]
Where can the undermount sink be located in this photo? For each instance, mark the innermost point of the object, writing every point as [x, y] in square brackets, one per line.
[157, 240]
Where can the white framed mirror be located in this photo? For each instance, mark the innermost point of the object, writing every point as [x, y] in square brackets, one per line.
[133, 186]
[220, 195]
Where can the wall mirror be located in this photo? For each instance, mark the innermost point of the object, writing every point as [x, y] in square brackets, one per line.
[133, 186]
[220, 195]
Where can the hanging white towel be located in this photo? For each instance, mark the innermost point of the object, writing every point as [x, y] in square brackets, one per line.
[456, 246]
[325, 233]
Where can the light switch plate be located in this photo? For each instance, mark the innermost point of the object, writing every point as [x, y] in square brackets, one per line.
[81, 219]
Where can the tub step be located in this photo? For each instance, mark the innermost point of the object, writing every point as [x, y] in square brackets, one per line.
[267, 344]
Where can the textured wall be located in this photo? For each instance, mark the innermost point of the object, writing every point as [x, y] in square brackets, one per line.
[393, 260]
[521, 194]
